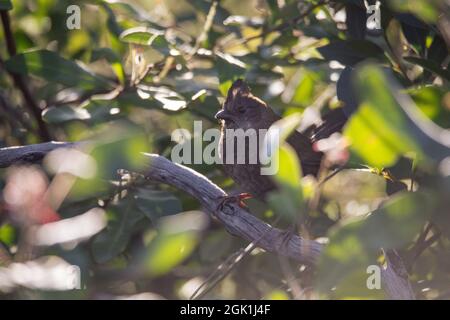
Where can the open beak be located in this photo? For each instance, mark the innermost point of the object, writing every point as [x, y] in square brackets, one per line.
[223, 115]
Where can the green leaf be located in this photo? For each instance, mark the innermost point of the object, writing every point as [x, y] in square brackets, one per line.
[169, 250]
[288, 200]
[7, 234]
[6, 5]
[430, 100]
[205, 105]
[426, 9]
[304, 92]
[54, 68]
[229, 69]
[113, 59]
[146, 37]
[156, 204]
[351, 52]
[289, 171]
[114, 239]
[116, 146]
[177, 238]
[378, 131]
[388, 125]
[121, 149]
[163, 96]
[357, 244]
[55, 115]
[430, 66]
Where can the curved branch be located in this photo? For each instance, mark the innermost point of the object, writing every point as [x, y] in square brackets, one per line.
[31, 153]
[236, 220]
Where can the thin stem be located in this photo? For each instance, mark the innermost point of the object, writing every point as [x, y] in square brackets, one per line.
[19, 81]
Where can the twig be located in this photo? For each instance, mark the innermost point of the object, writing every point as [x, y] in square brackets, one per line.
[207, 26]
[15, 114]
[5, 256]
[19, 81]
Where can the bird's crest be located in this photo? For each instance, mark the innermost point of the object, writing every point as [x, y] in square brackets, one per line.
[240, 90]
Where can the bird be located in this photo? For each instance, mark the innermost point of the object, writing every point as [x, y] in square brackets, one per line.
[243, 110]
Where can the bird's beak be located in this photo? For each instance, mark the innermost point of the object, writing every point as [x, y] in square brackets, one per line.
[223, 115]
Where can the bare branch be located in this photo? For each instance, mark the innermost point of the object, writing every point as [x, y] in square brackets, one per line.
[236, 220]
[31, 153]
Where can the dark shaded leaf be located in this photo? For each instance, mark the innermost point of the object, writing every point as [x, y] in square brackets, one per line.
[155, 204]
[6, 5]
[54, 68]
[356, 245]
[114, 239]
[351, 52]
[345, 91]
[430, 66]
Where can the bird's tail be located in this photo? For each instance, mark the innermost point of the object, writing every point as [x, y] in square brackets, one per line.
[332, 122]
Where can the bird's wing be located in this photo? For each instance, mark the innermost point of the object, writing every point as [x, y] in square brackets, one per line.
[332, 122]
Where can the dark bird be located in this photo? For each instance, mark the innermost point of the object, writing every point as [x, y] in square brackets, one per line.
[242, 110]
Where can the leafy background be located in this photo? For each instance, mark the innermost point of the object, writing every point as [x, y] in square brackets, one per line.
[137, 70]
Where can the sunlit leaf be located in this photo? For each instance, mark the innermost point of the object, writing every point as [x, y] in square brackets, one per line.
[113, 59]
[277, 295]
[177, 238]
[378, 131]
[430, 100]
[146, 36]
[390, 124]
[165, 97]
[287, 201]
[7, 234]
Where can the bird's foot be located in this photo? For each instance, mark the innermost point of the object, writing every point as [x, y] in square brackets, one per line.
[237, 199]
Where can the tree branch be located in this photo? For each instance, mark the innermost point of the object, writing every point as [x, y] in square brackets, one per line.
[236, 220]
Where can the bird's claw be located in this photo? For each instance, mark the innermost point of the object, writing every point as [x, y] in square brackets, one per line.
[237, 199]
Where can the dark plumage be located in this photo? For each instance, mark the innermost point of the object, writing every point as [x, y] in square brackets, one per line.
[242, 110]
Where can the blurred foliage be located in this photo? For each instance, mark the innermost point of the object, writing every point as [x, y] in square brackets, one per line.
[137, 70]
